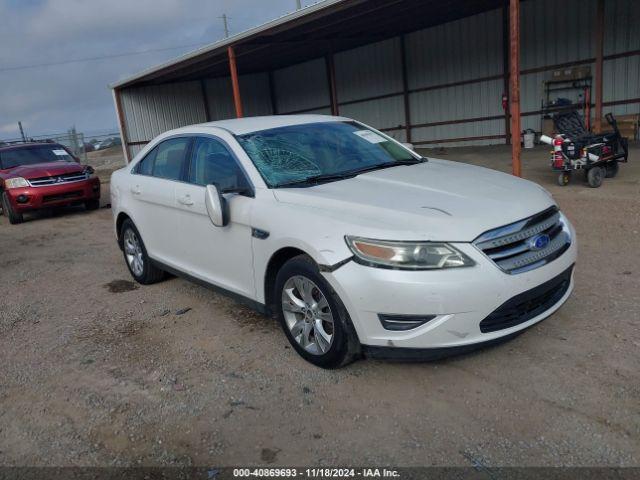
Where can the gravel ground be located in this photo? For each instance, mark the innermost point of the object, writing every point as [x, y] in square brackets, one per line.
[98, 371]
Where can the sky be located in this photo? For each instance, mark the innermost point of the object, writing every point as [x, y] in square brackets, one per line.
[52, 98]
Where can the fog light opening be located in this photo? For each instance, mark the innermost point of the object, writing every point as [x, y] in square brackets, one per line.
[22, 199]
[400, 323]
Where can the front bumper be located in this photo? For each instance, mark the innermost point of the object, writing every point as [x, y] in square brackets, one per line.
[33, 198]
[461, 298]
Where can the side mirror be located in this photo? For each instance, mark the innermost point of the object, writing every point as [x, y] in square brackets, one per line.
[409, 146]
[216, 206]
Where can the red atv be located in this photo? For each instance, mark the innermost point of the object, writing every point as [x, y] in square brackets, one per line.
[43, 175]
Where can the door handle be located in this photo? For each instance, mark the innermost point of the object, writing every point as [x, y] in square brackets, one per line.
[186, 200]
[136, 190]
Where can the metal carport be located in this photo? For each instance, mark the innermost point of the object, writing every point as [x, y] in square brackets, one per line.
[427, 72]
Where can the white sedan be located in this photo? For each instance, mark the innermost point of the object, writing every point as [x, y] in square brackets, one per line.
[358, 244]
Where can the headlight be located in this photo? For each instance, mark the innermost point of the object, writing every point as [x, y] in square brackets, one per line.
[89, 171]
[407, 255]
[16, 182]
[565, 225]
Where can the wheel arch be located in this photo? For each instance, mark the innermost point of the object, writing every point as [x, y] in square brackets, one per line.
[122, 216]
[277, 260]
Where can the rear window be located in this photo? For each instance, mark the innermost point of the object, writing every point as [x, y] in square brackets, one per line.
[33, 155]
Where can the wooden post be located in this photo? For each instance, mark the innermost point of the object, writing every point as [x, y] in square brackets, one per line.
[405, 89]
[599, 42]
[331, 78]
[235, 84]
[514, 85]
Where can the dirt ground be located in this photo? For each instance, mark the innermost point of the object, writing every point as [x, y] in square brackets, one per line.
[98, 371]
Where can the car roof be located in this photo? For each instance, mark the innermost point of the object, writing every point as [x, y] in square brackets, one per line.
[240, 126]
[19, 146]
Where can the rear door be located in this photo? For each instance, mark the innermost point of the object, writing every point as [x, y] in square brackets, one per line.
[154, 208]
[219, 255]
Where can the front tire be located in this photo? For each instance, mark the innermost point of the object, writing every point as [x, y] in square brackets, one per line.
[595, 176]
[312, 315]
[564, 178]
[135, 256]
[13, 216]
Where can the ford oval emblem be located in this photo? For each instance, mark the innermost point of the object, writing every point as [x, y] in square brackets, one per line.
[539, 242]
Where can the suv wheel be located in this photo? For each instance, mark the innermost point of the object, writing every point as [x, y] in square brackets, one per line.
[7, 209]
[135, 255]
[312, 316]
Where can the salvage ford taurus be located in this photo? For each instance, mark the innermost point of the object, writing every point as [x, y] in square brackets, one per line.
[356, 243]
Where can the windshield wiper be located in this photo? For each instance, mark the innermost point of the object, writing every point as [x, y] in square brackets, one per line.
[317, 179]
[329, 177]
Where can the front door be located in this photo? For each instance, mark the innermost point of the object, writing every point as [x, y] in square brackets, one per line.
[219, 255]
[153, 198]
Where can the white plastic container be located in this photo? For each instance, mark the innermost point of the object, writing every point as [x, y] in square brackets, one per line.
[529, 138]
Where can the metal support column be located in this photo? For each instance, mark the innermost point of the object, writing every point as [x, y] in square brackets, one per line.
[124, 138]
[235, 84]
[514, 85]
[205, 99]
[505, 69]
[272, 93]
[405, 89]
[331, 78]
[599, 32]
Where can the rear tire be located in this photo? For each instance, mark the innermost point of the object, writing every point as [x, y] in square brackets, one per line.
[611, 169]
[138, 262]
[13, 216]
[595, 176]
[92, 204]
[315, 321]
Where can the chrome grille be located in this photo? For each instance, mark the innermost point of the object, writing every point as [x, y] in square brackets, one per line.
[515, 247]
[58, 179]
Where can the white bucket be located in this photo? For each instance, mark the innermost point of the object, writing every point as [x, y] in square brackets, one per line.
[529, 138]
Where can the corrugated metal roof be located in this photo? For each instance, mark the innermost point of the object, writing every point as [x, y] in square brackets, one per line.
[223, 44]
[328, 27]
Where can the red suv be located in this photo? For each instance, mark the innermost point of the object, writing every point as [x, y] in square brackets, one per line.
[43, 175]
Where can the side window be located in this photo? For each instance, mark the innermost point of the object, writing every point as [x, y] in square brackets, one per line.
[169, 158]
[211, 162]
[145, 167]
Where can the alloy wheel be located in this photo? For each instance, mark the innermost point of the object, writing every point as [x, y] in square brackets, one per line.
[308, 315]
[133, 252]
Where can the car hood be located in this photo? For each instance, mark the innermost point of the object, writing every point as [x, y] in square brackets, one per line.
[438, 200]
[48, 169]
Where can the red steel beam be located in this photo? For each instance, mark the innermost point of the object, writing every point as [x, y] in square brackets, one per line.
[505, 68]
[599, 42]
[235, 84]
[514, 85]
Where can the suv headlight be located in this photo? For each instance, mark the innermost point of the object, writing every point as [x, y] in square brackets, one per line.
[16, 182]
[407, 255]
[89, 171]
